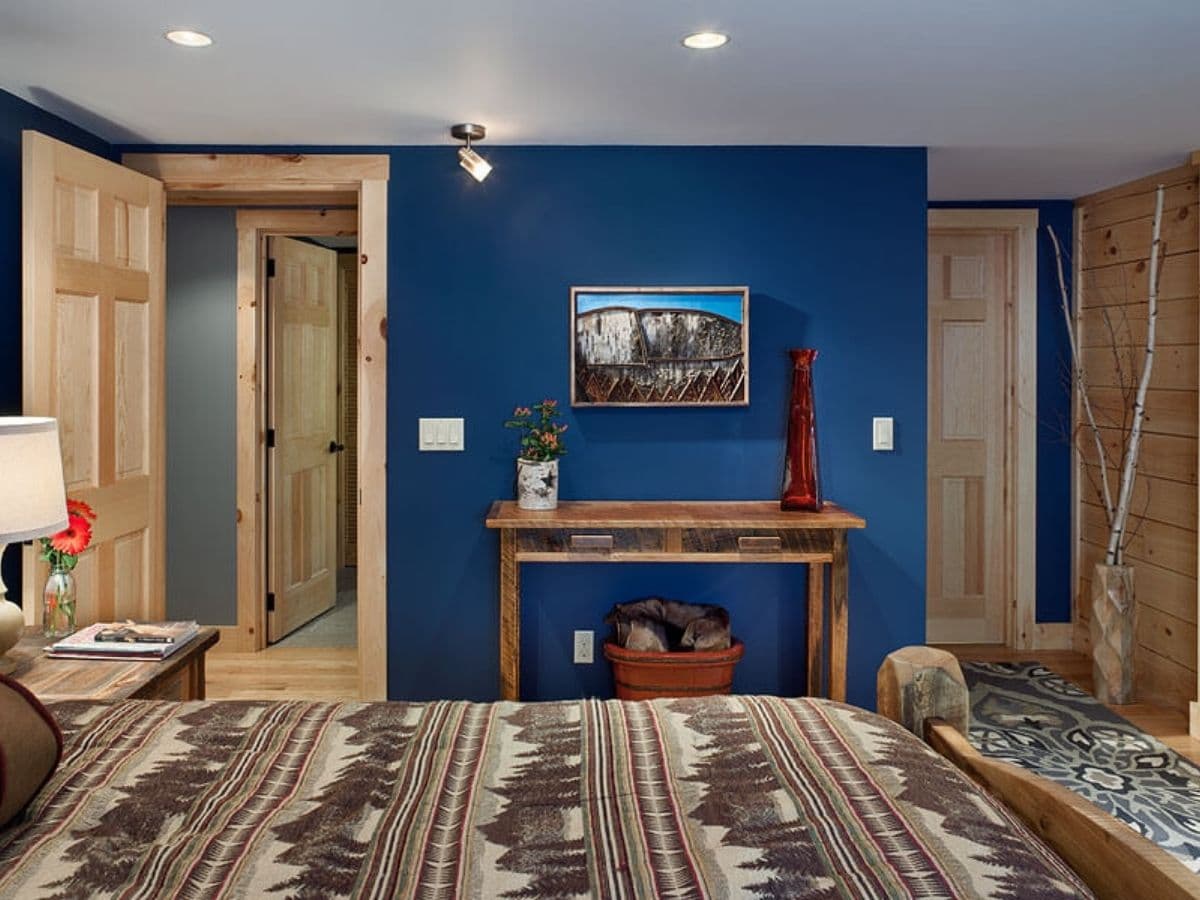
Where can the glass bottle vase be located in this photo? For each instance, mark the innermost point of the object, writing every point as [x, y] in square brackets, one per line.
[58, 603]
[801, 481]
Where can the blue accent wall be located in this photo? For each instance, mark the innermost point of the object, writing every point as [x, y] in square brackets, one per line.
[1054, 409]
[17, 115]
[831, 242]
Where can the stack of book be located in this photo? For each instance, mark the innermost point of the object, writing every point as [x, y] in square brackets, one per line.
[124, 640]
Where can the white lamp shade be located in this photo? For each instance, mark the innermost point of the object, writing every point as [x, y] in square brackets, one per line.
[33, 501]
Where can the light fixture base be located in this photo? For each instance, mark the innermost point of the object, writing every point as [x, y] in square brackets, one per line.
[468, 131]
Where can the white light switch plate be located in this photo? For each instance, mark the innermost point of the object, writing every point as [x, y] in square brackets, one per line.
[439, 434]
[881, 432]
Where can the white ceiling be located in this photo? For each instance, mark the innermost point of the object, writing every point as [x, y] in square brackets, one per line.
[1014, 98]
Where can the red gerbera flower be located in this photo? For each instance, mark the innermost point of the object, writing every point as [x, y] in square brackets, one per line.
[79, 508]
[75, 538]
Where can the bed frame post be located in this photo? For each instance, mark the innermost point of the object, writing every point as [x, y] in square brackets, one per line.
[919, 683]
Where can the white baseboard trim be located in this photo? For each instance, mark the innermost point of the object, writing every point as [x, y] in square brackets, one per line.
[1194, 720]
[1054, 636]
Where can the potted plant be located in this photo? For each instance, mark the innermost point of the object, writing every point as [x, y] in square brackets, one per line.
[1113, 627]
[62, 552]
[541, 446]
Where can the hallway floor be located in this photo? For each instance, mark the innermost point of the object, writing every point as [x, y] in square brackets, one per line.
[318, 661]
[337, 627]
[283, 673]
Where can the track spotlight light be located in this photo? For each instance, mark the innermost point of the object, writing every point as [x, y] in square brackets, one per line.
[478, 167]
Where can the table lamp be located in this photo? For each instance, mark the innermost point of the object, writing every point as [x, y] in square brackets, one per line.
[33, 502]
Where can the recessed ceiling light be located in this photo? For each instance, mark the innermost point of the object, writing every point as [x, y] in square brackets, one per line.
[186, 37]
[705, 40]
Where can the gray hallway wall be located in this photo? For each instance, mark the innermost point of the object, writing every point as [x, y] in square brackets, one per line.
[201, 414]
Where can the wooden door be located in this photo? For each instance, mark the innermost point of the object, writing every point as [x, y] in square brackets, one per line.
[970, 292]
[302, 398]
[93, 320]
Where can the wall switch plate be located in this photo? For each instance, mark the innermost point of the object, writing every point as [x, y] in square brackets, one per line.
[882, 434]
[440, 434]
[585, 642]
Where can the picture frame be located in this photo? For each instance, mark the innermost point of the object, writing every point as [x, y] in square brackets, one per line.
[660, 346]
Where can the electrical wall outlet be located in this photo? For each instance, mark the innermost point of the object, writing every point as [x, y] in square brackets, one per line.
[585, 642]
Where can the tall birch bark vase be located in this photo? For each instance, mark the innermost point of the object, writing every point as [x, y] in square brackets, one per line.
[1114, 633]
[537, 484]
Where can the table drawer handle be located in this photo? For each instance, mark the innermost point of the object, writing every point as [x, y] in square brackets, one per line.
[759, 544]
[591, 542]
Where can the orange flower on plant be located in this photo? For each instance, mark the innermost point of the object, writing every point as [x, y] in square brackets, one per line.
[541, 440]
[75, 538]
[62, 550]
[79, 508]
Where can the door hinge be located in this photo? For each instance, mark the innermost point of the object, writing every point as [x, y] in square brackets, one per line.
[270, 601]
[270, 267]
[270, 437]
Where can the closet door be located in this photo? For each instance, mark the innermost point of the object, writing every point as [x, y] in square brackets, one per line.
[970, 290]
[93, 319]
[302, 397]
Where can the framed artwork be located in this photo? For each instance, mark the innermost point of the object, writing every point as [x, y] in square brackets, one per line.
[660, 346]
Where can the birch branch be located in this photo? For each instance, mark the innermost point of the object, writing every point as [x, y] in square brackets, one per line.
[1129, 471]
[1081, 381]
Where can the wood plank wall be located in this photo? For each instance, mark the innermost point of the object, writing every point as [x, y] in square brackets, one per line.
[1112, 252]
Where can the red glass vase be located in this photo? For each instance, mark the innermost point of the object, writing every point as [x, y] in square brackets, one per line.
[801, 482]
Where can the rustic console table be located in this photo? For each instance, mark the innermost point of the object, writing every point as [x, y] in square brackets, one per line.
[756, 531]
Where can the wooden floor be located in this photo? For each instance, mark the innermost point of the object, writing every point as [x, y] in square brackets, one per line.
[283, 673]
[1168, 725]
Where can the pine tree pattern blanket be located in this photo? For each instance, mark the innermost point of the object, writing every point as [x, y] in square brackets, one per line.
[716, 797]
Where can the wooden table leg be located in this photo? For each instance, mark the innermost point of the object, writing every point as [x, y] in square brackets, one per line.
[199, 679]
[839, 626]
[510, 616]
[816, 629]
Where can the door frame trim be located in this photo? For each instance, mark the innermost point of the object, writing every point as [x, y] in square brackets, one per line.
[205, 179]
[1021, 630]
[253, 228]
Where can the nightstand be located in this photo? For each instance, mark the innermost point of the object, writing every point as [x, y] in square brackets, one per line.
[178, 677]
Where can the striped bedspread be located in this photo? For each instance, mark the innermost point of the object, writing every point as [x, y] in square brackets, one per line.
[715, 797]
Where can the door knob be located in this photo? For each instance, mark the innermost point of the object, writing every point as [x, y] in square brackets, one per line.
[335, 447]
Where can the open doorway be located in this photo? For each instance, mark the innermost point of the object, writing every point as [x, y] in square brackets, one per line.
[335, 193]
[311, 291]
[266, 364]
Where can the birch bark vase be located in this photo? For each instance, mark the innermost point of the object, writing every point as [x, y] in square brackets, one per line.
[1114, 633]
[537, 484]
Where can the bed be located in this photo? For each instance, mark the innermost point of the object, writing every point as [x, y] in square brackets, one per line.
[707, 797]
